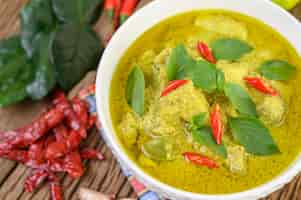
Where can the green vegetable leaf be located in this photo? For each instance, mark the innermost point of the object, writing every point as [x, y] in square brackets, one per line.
[220, 80]
[36, 17]
[253, 135]
[178, 61]
[203, 75]
[204, 137]
[15, 71]
[77, 11]
[277, 70]
[135, 90]
[76, 49]
[230, 49]
[45, 78]
[240, 99]
[198, 121]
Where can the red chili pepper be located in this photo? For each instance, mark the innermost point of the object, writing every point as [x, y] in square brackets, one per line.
[217, 124]
[81, 110]
[35, 179]
[55, 188]
[91, 154]
[118, 4]
[200, 160]
[260, 85]
[73, 165]
[109, 7]
[36, 152]
[172, 86]
[92, 121]
[206, 52]
[60, 132]
[127, 9]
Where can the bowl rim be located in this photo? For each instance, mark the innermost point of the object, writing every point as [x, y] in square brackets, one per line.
[256, 192]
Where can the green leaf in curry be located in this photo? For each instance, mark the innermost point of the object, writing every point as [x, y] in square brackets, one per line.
[77, 11]
[203, 75]
[230, 49]
[220, 80]
[135, 90]
[36, 17]
[76, 49]
[277, 70]
[204, 136]
[253, 135]
[240, 99]
[16, 71]
[45, 77]
[178, 61]
[198, 121]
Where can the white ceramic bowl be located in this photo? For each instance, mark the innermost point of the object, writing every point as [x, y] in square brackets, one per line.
[141, 21]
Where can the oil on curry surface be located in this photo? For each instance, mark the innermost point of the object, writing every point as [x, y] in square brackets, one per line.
[169, 125]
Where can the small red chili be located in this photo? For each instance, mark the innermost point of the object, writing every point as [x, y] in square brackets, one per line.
[172, 86]
[127, 9]
[260, 85]
[200, 160]
[55, 188]
[35, 179]
[73, 165]
[206, 52]
[217, 124]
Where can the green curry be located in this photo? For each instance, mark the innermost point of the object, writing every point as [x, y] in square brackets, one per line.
[229, 103]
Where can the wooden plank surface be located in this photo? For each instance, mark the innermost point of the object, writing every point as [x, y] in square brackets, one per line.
[103, 176]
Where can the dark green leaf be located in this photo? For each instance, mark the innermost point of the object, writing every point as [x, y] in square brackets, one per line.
[45, 78]
[178, 61]
[203, 75]
[220, 80]
[135, 90]
[204, 137]
[230, 49]
[15, 71]
[36, 17]
[277, 70]
[240, 99]
[77, 11]
[253, 135]
[198, 121]
[75, 50]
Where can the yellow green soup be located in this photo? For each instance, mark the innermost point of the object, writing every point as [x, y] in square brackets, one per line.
[261, 133]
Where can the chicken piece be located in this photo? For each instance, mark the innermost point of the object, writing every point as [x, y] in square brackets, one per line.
[163, 56]
[145, 62]
[223, 25]
[272, 110]
[235, 72]
[129, 129]
[237, 159]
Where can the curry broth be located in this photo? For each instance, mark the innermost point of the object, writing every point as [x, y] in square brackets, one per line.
[179, 173]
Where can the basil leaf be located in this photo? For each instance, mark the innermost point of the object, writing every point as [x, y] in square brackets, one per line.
[253, 135]
[198, 121]
[240, 99]
[45, 78]
[36, 17]
[135, 90]
[203, 75]
[178, 61]
[76, 49]
[220, 80]
[277, 70]
[16, 71]
[204, 137]
[77, 11]
[230, 49]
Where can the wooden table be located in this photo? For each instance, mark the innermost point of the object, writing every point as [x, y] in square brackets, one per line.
[102, 176]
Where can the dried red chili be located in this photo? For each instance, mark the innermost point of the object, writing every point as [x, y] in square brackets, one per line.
[35, 179]
[55, 188]
[200, 160]
[217, 124]
[73, 165]
[206, 52]
[172, 86]
[260, 85]
[91, 154]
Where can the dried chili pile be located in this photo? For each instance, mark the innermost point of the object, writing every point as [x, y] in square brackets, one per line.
[50, 144]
